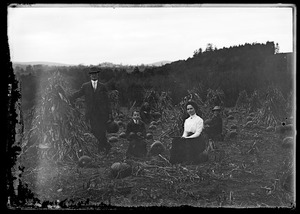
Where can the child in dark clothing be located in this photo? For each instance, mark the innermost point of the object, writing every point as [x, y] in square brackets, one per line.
[135, 134]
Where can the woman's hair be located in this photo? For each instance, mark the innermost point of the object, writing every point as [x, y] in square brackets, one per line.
[192, 103]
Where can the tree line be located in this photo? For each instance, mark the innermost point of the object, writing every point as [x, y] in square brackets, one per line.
[247, 67]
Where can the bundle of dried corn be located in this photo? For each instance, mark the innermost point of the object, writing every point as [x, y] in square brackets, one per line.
[274, 108]
[242, 101]
[58, 130]
[255, 102]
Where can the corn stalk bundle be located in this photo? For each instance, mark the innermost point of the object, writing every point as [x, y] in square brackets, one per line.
[214, 97]
[255, 102]
[58, 130]
[151, 96]
[242, 101]
[114, 97]
[160, 102]
[274, 107]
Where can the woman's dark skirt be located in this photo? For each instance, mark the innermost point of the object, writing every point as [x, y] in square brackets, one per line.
[187, 150]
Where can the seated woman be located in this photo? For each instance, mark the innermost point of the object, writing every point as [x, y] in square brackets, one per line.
[191, 144]
[135, 134]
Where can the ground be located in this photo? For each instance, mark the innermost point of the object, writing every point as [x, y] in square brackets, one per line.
[249, 170]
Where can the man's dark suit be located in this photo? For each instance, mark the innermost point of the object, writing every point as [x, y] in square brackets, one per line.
[97, 110]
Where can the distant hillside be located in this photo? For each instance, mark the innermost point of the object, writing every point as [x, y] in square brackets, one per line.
[42, 63]
[160, 63]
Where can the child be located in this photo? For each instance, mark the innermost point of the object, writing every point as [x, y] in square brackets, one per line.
[135, 134]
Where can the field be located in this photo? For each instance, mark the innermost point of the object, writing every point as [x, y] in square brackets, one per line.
[252, 169]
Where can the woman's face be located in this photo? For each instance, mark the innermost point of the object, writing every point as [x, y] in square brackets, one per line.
[190, 110]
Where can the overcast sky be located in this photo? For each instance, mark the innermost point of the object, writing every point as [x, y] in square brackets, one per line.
[136, 35]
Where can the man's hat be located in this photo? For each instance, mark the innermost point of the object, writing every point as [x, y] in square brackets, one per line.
[94, 70]
[216, 108]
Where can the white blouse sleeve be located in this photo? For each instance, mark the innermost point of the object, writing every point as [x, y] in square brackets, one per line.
[184, 130]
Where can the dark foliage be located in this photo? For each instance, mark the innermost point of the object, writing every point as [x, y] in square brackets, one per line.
[240, 68]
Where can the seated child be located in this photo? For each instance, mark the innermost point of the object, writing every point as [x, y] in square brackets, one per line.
[135, 134]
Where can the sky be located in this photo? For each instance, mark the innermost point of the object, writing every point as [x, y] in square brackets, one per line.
[134, 35]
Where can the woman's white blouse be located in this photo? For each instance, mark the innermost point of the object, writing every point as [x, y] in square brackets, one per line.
[193, 124]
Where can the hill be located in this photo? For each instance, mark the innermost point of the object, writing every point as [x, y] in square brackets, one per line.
[160, 63]
[42, 63]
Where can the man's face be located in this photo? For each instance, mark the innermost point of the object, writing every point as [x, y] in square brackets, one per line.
[94, 76]
[136, 115]
[216, 112]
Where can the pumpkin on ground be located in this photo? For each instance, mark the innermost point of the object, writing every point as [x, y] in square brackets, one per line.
[120, 123]
[112, 127]
[122, 135]
[230, 117]
[288, 142]
[156, 148]
[120, 170]
[149, 136]
[153, 123]
[232, 134]
[270, 129]
[153, 127]
[233, 127]
[156, 115]
[84, 161]
[113, 139]
[287, 182]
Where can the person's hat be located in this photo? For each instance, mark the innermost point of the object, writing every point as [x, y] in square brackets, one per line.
[94, 70]
[216, 108]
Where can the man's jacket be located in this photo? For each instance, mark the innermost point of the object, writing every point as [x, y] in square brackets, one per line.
[97, 102]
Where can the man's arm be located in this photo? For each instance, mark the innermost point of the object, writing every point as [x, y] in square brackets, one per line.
[76, 95]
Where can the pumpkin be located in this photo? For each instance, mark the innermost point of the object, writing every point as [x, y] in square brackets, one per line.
[149, 136]
[232, 134]
[287, 182]
[152, 127]
[112, 127]
[120, 123]
[153, 123]
[233, 127]
[122, 135]
[156, 115]
[230, 117]
[84, 161]
[113, 139]
[288, 142]
[270, 129]
[120, 170]
[156, 148]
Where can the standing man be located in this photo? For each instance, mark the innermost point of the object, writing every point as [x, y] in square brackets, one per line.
[98, 110]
